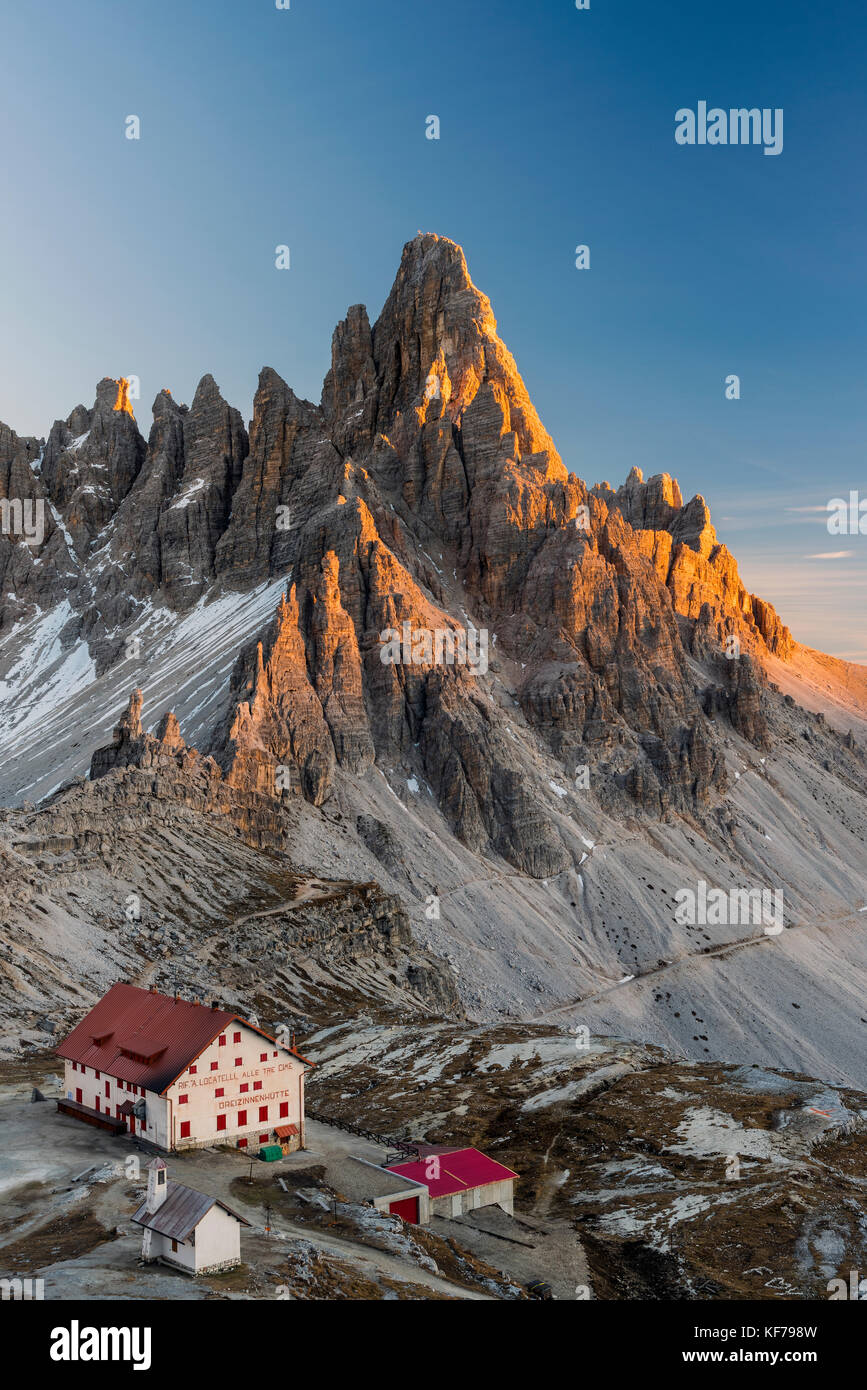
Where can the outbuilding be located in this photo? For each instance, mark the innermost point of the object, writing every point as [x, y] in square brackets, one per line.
[185, 1228]
[458, 1180]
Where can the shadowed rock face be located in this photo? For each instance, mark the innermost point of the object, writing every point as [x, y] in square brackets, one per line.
[422, 491]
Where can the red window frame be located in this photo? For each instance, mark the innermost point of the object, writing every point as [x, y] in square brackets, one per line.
[182, 1100]
[257, 1085]
[263, 1113]
[242, 1118]
[236, 1037]
[221, 1122]
[221, 1041]
[214, 1066]
[220, 1091]
[193, 1070]
[284, 1109]
[263, 1056]
[238, 1062]
[245, 1086]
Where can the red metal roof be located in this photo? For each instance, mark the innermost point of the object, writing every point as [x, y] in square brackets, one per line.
[459, 1170]
[285, 1131]
[171, 1032]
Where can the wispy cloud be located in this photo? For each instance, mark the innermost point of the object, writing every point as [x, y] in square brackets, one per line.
[831, 555]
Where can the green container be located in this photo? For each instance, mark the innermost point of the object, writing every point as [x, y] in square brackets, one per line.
[269, 1152]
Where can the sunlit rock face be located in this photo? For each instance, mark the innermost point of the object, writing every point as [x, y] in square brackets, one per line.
[423, 490]
[122, 400]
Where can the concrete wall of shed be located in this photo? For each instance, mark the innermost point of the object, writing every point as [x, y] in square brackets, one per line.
[499, 1194]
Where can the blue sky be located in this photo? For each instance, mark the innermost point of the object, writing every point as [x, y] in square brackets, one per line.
[307, 127]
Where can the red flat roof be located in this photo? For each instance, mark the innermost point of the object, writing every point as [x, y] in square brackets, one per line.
[459, 1170]
[171, 1032]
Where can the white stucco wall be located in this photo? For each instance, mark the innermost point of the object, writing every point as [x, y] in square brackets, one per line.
[274, 1080]
[185, 1255]
[218, 1240]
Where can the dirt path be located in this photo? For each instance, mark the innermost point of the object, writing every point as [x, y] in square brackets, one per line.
[523, 1247]
[726, 949]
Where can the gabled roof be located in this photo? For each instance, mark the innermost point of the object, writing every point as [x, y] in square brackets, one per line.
[165, 1035]
[459, 1170]
[181, 1212]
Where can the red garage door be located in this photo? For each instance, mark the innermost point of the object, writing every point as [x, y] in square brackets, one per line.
[407, 1209]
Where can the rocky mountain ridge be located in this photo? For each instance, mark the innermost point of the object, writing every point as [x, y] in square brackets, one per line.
[633, 719]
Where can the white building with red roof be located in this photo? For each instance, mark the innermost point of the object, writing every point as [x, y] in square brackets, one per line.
[458, 1180]
[182, 1074]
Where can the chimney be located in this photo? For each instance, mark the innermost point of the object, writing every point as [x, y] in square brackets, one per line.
[157, 1184]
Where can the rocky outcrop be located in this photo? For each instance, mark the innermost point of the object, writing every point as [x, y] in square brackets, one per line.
[700, 573]
[36, 567]
[422, 494]
[91, 461]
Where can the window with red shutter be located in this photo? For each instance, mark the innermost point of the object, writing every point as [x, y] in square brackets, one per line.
[263, 1056]
[221, 1041]
[257, 1085]
[284, 1109]
[193, 1070]
[221, 1122]
[185, 1129]
[182, 1100]
[263, 1113]
[238, 1062]
[220, 1091]
[242, 1143]
[214, 1066]
[236, 1037]
[245, 1086]
[242, 1118]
